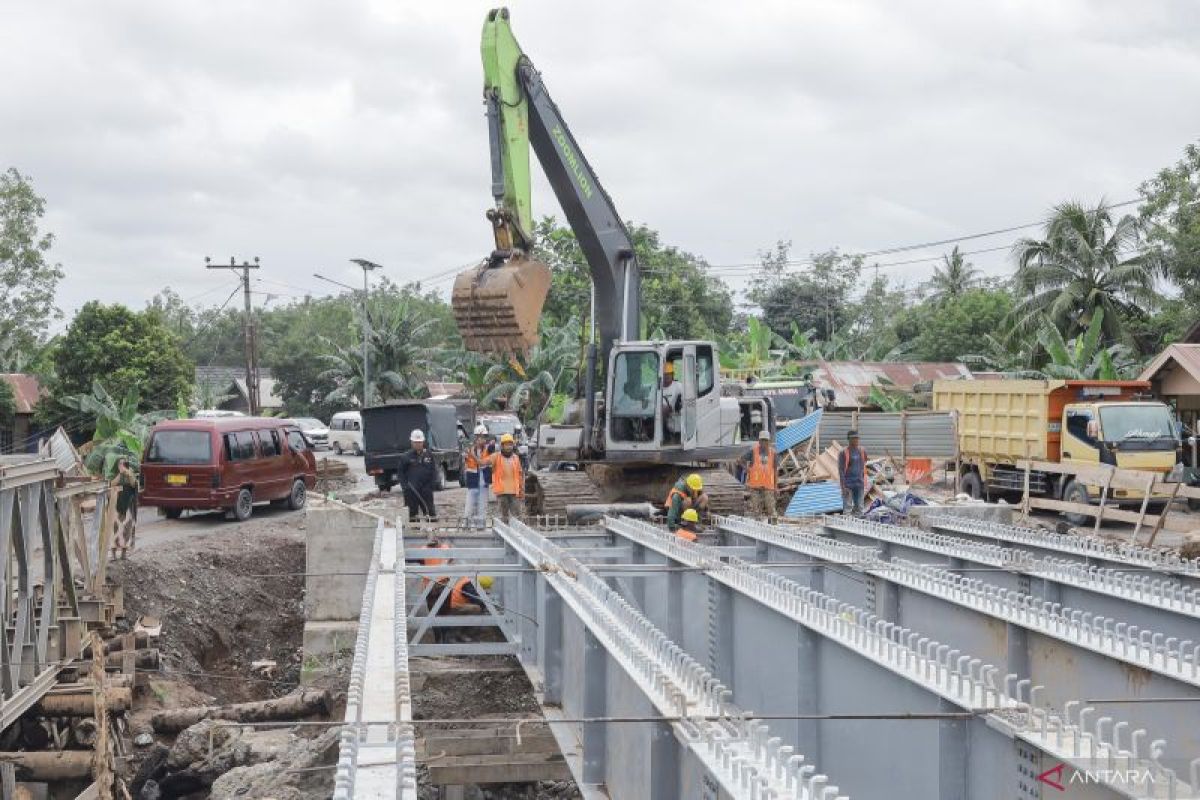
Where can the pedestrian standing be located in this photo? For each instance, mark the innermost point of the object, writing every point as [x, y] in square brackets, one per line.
[508, 479]
[126, 525]
[761, 471]
[477, 463]
[852, 470]
[418, 477]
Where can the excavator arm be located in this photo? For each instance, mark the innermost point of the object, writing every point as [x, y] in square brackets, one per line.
[497, 305]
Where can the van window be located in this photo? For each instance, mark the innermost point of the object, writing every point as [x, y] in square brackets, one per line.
[268, 443]
[180, 447]
[705, 374]
[296, 441]
[239, 446]
[336, 424]
[353, 424]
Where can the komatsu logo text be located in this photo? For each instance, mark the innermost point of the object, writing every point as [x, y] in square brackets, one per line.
[568, 152]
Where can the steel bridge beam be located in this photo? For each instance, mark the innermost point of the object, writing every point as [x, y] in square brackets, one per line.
[784, 648]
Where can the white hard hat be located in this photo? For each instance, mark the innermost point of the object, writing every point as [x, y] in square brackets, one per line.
[417, 435]
[481, 429]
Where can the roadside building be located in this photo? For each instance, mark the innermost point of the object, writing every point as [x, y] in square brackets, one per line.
[15, 434]
[225, 389]
[1174, 376]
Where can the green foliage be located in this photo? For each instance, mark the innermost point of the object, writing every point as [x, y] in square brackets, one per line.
[678, 296]
[528, 384]
[121, 429]
[885, 397]
[1170, 217]
[817, 298]
[1084, 358]
[27, 280]
[8, 405]
[952, 327]
[134, 353]
[954, 278]
[1084, 263]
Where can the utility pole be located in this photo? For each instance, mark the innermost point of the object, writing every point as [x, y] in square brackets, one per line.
[252, 385]
[367, 266]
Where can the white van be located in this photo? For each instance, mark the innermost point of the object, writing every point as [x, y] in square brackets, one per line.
[345, 433]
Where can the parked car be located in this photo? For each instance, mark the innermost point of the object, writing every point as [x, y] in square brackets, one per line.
[227, 463]
[314, 430]
[345, 433]
[216, 413]
[386, 432]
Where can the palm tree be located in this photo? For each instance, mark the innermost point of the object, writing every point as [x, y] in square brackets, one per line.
[399, 349]
[1083, 358]
[953, 278]
[529, 383]
[755, 353]
[1083, 264]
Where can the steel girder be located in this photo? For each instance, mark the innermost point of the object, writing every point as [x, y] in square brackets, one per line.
[785, 648]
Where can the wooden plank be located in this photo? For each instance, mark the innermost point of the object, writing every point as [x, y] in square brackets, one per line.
[1146, 493]
[1095, 475]
[1104, 499]
[1172, 522]
[1166, 510]
[516, 768]
[1025, 491]
[494, 744]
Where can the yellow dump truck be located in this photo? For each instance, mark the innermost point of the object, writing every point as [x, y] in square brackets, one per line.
[1001, 422]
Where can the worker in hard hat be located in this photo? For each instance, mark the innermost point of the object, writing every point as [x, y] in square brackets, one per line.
[508, 478]
[418, 477]
[689, 525]
[466, 599]
[761, 469]
[477, 471]
[672, 403]
[688, 492]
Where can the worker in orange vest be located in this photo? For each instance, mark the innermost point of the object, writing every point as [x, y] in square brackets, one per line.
[761, 469]
[687, 493]
[689, 525]
[508, 479]
[464, 600]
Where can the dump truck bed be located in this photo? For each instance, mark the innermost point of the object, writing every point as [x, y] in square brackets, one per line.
[1006, 420]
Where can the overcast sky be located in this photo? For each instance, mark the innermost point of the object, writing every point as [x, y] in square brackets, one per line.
[310, 133]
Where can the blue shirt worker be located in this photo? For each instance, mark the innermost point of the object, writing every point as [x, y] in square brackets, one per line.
[852, 470]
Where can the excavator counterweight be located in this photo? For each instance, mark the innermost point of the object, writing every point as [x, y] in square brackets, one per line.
[497, 308]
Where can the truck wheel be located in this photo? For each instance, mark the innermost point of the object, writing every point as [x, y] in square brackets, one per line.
[441, 479]
[1076, 493]
[173, 513]
[1193, 504]
[971, 485]
[384, 484]
[337, 448]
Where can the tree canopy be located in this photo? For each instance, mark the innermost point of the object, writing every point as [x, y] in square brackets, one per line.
[28, 279]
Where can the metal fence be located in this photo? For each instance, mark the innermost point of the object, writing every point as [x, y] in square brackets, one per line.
[905, 434]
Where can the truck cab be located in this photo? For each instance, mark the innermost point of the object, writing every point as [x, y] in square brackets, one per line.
[1131, 435]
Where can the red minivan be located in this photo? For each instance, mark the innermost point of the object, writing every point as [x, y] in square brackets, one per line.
[226, 463]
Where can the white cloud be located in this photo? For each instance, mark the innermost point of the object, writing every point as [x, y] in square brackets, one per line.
[309, 133]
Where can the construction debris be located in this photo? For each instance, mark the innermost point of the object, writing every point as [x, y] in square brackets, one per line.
[297, 705]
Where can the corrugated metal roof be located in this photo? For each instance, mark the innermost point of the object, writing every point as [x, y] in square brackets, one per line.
[26, 390]
[799, 431]
[815, 498]
[1185, 355]
[851, 381]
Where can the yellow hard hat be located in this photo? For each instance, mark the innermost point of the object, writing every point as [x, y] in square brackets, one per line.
[669, 368]
[691, 515]
[506, 438]
[485, 582]
[694, 482]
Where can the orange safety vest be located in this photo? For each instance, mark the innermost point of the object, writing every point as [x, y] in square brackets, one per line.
[675, 490]
[684, 533]
[457, 598]
[475, 458]
[762, 473]
[507, 477]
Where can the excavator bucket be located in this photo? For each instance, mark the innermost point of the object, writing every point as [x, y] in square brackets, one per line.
[497, 309]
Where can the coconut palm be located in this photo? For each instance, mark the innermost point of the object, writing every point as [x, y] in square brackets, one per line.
[1083, 264]
[527, 384]
[953, 278]
[400, 351]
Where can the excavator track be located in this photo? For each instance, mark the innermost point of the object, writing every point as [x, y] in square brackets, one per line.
[549, 493]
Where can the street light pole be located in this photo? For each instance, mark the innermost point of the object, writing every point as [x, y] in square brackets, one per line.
[367, 266]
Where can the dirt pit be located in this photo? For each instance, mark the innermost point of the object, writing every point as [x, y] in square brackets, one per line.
[226, 601]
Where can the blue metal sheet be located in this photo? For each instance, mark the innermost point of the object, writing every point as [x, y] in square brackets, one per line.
[799, 431]
[815, 498]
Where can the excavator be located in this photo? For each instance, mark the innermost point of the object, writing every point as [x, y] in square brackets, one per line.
[662, 410]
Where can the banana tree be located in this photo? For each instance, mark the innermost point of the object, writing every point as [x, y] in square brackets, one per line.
[1083, 358]
[121, 430]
